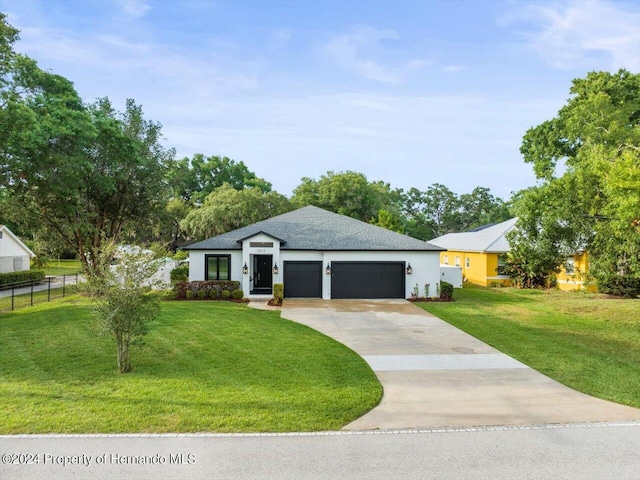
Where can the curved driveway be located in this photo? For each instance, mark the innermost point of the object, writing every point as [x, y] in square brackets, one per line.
[435, 375]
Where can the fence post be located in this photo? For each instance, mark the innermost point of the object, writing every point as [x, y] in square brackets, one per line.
[49, 290]
[64, 283]
[32, 293]
[13, 296]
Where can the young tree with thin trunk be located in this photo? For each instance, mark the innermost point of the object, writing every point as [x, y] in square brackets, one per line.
[122, 301]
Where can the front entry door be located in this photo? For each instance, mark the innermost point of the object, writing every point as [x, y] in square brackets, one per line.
[262, 276]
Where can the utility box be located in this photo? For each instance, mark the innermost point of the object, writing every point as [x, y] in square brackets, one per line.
[451, 274]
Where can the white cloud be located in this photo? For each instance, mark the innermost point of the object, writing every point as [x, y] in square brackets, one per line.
[407, 140]
[581, 34]
[360, 51]
[452, 68]
[134, 9]
[124, 44]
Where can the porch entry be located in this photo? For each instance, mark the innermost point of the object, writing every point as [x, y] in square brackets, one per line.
[262, 274]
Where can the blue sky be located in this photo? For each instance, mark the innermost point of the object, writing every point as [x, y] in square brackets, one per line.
[411, 93]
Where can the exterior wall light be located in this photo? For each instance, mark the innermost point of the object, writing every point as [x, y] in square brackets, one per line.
[328, 269]
[409, 269]
[245, 269]
[275, 269]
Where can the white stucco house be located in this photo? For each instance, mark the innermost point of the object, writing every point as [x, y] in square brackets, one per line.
[318, 254]
[15, 256]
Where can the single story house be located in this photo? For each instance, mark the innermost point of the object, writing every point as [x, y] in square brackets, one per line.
[318, 254]
[481, 254]
[15, 256]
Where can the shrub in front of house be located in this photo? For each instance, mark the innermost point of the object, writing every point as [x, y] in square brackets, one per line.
[180, 274]
[206, 289]
[278, 293]
[446, 291]
[18, 277]
[226, 294]
[237, 294]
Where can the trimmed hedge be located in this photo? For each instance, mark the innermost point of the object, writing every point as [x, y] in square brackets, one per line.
[18, 277]
[207, 289]
[237, 294]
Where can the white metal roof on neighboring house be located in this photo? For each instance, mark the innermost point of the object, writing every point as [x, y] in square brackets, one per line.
[491, 239]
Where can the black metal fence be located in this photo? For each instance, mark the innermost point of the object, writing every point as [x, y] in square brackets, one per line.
[26, 294]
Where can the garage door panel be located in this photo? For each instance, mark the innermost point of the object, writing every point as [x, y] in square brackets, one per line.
[302, 279]
[367, 280]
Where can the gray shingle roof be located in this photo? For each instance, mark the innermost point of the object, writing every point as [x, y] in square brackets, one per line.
[312, 228]
[491, 239]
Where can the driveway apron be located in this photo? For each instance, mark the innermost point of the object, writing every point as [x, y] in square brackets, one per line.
[435, 375]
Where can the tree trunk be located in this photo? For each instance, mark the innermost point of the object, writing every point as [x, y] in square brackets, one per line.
[124, 365]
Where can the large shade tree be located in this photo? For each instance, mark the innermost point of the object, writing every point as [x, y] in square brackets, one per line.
[348, 193]
[437, 210]
[78, 173]
[192, 179]
[588, 161]
[226, 209]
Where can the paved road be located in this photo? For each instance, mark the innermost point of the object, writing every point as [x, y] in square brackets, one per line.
[558, 452]
[435, 375]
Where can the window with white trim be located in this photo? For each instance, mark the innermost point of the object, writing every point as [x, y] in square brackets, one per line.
[446, 259]
[570, 265]
[467, 263]
[457, 261]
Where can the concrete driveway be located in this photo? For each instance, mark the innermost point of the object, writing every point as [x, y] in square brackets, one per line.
[435, 375]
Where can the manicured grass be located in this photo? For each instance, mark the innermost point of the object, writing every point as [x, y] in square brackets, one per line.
[25, 299]
[62, 267]
[589, 342]
[205, 367]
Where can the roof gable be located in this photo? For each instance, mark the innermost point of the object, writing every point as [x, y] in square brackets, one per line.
[312, 228]
[491, 239]
[10, 235]
[240, 240]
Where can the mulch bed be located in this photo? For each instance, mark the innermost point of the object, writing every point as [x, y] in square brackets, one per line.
[429, 299]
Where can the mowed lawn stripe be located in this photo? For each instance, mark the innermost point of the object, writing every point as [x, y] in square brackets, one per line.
[588, 342]
[205, 366]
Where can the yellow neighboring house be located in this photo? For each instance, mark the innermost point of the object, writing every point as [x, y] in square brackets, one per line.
[481, 254]
[574, 273]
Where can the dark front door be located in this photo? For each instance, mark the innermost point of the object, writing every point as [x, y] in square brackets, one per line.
[367, 279]
[262, 276]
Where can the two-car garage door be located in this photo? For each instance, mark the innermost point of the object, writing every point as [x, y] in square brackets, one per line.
[348, 279]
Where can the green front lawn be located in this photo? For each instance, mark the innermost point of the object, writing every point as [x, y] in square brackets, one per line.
[586, 341]
[62, 267]
[205, 367]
